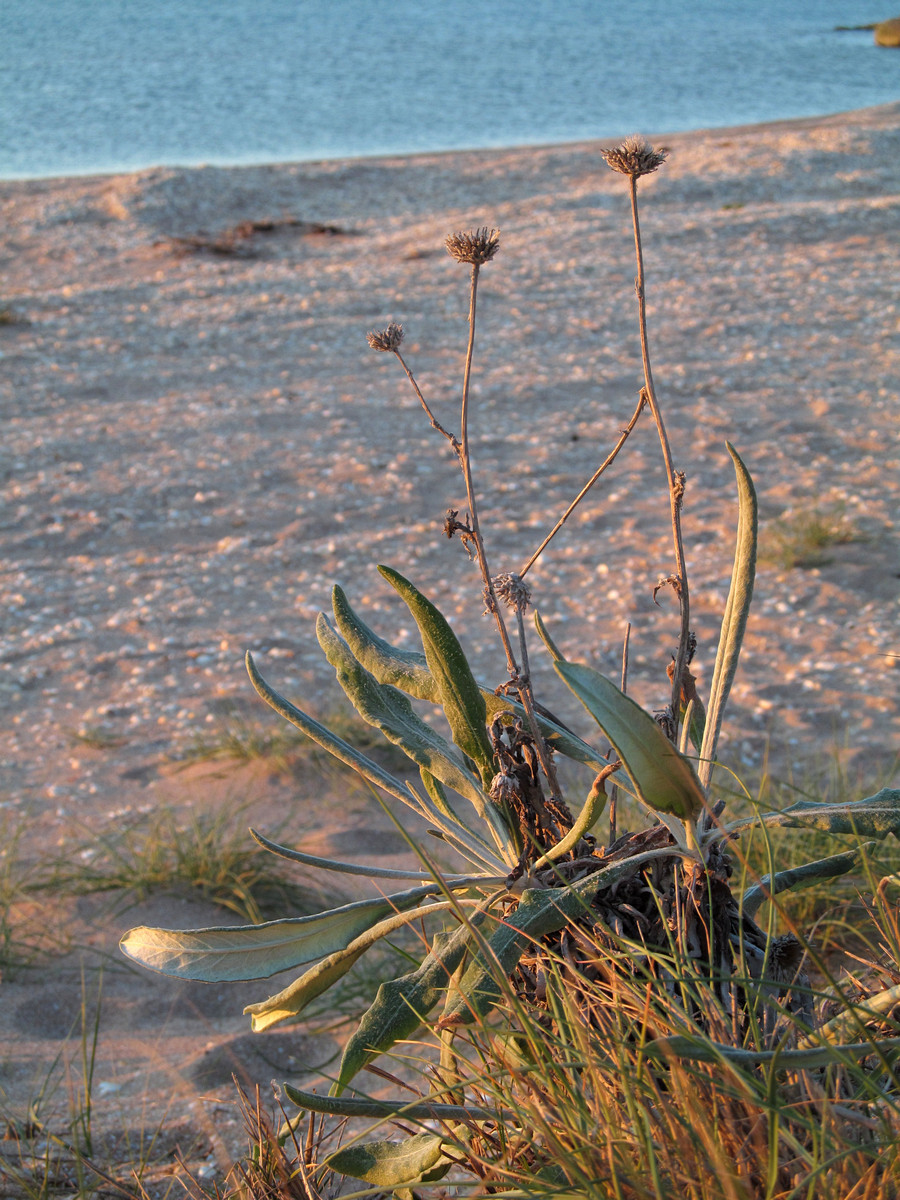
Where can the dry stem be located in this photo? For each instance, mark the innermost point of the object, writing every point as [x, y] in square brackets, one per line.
[674, 479]
[608, 461]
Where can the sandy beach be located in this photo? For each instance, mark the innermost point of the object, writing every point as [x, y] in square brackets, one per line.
[198, 443]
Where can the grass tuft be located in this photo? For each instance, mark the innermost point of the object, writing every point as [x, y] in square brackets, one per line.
[804, 538]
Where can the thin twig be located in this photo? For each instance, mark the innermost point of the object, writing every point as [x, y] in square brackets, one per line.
[435, 423]
[610, 459]
[675, 480]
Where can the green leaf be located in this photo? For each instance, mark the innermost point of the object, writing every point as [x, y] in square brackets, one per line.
[803, 1060]
[326, 739]
[734, 619]
[589, 815]
[459, 694]
[800, 877]
[540, 912]
[408, 670]
[662, 778]
[333, 864]
[235, 952]
[544, 634]
[405, 669]
[388, 709]
[876, 816]
[400, 1005]
[345, 868]
[393, 1164]
[292, 1000]
[416, 1110]
[318, 979]
[854, 1017]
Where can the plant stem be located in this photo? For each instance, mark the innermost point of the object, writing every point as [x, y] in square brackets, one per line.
[675, 479]
[521, 680]
[609, 460]
[465, 460]
[435, 423]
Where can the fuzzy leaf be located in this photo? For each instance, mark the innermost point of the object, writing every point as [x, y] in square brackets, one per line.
[588, 817]
[389, 710]
[318, 979]
[540, 912]
[393, 1164]
[408, 670]
[802, 1060]
[875, 817]
[405, 669]
[662, 778]
[544, 634]
[459, 694]
[332, 864]
[235, 952]
[415, 1110]
[800, 877]
[400, 1005]
[326, 739]
[734, 619]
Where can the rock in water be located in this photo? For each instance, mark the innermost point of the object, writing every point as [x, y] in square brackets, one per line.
[887, 33]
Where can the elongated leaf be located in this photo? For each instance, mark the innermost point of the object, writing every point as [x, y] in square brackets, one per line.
[291, 1001]
[258, 951]
[416, 1110]
[326, 739]
[417, 1159]
[544, 634]
[318, 979]
[855, 1016]
[589, 815]
[400, 1005]
[804, 1060]
[662, 778]
[388, 709]
[408, 670]
[330, 864]
[460, 696]
[734, 619]
[800, 877]
[540, 912]
[876, 816]
[405, 669]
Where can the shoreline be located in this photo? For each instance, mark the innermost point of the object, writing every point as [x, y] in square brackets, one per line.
[782, 123]
[199, 443]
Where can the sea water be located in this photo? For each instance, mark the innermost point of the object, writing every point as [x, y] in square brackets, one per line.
[110, 85]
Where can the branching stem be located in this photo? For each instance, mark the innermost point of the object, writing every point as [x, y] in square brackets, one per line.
[435, 423]
[608, 461]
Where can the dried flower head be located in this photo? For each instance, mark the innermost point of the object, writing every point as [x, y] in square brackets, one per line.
[386, 339]
[475, 247]
[505, 788]
[634, 157]
[512, 590]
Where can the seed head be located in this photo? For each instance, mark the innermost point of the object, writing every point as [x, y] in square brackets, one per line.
[386, 339]
[512, 590]
[504, 788]
[634, 157]
[475, 246]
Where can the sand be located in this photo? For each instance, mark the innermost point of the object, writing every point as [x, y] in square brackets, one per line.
[198, 443]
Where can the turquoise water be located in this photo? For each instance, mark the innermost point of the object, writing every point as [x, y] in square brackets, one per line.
[106, 85]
